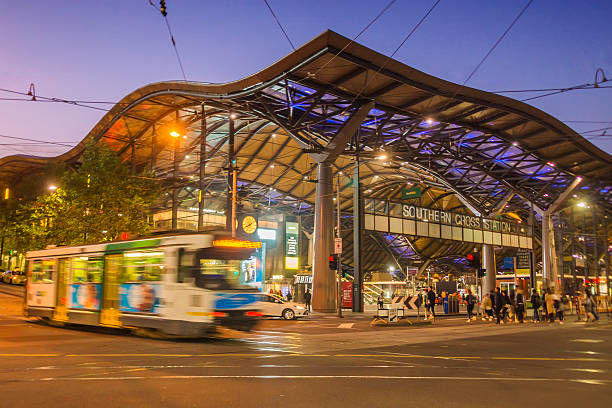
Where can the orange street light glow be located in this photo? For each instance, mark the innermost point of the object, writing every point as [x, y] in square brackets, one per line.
[174, 133]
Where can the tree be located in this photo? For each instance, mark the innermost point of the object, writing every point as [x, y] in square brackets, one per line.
[96, 202]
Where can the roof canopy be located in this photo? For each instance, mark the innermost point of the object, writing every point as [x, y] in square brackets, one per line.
[470, 147]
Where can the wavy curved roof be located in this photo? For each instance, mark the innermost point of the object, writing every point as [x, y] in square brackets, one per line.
[474, 144]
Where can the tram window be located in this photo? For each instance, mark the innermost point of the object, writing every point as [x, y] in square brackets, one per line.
[42, 271]
[87, 269]
[218, 273]
[142, 266]
[185, 266]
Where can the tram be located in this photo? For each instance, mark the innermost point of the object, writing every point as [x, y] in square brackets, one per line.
[183, 285]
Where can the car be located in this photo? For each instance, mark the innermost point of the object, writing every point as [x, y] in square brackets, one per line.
[15, 277]
[276, 306]
[4, 275]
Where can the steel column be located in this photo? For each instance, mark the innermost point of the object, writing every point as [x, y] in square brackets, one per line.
[202, 185]
[488, 255]
[357, 235]
[324, 280]
[175, 186]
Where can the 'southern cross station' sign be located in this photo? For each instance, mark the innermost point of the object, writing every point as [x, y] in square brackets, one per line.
[407, 219]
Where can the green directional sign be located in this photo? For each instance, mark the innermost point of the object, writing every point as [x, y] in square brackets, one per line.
[409, 193]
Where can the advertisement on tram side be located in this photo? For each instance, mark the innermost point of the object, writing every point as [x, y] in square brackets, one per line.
[85, 296]
[140, 297]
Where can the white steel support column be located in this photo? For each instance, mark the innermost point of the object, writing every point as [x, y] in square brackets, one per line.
[549, 271]
[549, 254]
[324, 279]
[488, 261]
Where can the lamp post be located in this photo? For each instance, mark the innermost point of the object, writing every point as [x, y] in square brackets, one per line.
[176, 135]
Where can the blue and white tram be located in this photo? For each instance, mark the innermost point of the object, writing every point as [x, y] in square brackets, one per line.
[184, 285]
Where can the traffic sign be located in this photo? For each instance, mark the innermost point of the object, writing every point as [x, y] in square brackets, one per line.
[337, 245]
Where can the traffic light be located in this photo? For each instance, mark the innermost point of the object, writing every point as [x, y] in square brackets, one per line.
[482, 272]
[473, 260]
[333, 261]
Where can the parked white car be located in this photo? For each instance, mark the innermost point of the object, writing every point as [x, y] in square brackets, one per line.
[275, 306]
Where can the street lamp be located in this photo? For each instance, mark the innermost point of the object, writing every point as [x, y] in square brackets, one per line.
[52, 187]
[174, 133]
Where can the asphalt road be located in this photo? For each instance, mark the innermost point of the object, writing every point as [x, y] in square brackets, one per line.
[308, 363]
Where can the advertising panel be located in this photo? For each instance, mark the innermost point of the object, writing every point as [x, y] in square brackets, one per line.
[347, 295]
[140, 297]
[291, 248]
[86, 296]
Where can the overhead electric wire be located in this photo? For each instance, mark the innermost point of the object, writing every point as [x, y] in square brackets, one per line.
[164, 13]
[280, 25]
[34, 140]
[499, 40]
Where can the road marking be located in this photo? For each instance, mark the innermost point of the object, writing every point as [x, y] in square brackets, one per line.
[586, 370]
[29, 355]
[587, 340]
[546, 358]
[318, 377]
[346, 325]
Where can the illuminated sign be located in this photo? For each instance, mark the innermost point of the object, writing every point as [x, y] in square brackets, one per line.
[303, 279]
[235, 243]
[291, 250]
[291, 262]
[268, 234]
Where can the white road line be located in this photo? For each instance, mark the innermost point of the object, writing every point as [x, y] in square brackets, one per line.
[318, 377]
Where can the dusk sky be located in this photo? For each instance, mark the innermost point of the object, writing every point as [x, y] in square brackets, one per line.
[100, 50]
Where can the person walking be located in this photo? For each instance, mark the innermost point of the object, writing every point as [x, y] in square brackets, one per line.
[550, 305]
[307, 297]
[470, 300]
[487, 305]
[380, 301]
[536, 302]
[519, 305]
[289, 296]
[505, 302]
[498, 301]
[431, 302]
[590, 306]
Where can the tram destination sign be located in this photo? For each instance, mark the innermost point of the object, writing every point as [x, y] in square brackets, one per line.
[414, 220]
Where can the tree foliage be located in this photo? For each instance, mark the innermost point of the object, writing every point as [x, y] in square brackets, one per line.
[96, 202]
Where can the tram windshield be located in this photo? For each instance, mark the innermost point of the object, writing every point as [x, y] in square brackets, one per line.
[221, 270]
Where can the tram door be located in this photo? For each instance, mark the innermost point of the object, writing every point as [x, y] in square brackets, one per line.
[61, 293]
[110, 313]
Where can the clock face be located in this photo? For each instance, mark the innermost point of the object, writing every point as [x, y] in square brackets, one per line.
[249, 224]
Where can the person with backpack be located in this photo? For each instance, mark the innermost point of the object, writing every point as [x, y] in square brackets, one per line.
[536, 302]
[471, 301]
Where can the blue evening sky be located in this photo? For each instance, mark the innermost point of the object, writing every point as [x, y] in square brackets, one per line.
[104, 49]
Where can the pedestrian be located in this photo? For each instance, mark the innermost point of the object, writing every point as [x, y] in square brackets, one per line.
[590, 306]
[289, 297]
[536, 302]
[307, 297]
[512, 303]
[471, 301]
[431, 302]
[380, 301]
[550, 305]
[505, 302]
[487, 305]
[498, 301]
[519, 305]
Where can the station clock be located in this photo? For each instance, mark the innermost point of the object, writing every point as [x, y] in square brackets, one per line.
[249, 224]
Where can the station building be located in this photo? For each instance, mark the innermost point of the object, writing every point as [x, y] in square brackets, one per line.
[424, 172]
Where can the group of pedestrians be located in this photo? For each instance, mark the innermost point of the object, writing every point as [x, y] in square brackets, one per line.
[550, 307]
